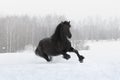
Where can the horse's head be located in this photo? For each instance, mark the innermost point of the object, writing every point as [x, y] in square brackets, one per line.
[62, 31]
[66, 29]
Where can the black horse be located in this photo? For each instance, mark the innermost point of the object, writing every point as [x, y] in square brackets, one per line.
[57, 44]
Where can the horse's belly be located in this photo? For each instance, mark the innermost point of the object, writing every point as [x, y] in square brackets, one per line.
[50, 49]
[51, 52]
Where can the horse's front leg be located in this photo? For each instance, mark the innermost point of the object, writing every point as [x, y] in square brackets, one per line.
[65, 55]
[80, 57]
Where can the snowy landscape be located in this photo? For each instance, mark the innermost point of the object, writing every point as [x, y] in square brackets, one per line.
[102, 62]
[95, 29]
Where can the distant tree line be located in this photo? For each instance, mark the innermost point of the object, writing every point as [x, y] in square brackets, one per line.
[18, 31]
[97, 28]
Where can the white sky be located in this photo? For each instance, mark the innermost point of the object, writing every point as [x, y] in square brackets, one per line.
[73, 9]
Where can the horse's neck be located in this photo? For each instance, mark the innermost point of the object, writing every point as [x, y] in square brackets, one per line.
[60, 39]
[64, 39]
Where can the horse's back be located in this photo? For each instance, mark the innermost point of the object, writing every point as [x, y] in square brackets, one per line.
[46, 43]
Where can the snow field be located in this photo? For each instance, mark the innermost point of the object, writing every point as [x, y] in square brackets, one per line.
[101, 62]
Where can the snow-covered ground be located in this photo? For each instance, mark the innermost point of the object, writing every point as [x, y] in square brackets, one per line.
[102, 62]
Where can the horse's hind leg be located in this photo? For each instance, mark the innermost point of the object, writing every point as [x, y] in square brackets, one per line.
[45, 56]
[42, 54]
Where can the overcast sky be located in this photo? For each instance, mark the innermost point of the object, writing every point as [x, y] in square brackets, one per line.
[73, 9]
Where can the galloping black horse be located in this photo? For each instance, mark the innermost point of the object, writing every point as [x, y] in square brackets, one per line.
[57, 44]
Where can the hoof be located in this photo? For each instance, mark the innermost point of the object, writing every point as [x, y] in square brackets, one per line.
[50, 57]
[67, 57]
[48, 60]
[81, 59]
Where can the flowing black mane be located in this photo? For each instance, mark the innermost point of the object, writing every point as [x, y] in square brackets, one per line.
[57, 34]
